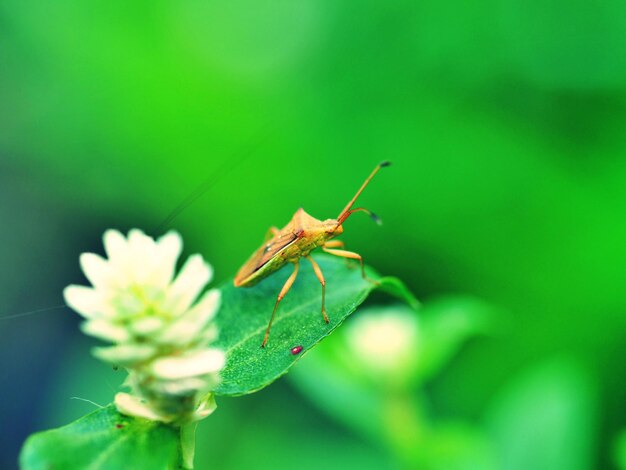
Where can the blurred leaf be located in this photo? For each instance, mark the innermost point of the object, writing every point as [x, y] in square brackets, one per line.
[620, 451]
[245, 312]
[338, 394]
[458, 446]
[434, 338]
[445, 325]
[279, 431]
[566, 44]
[101, 440]
[546, 419]
[387, 406]
[396, 287]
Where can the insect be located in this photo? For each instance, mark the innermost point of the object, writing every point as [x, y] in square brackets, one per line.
[296, 240]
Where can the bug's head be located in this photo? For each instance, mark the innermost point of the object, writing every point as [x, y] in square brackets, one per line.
[347, 211]
[334, 228]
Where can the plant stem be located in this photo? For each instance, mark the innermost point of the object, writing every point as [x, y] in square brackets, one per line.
[407, 428]
[188, 444]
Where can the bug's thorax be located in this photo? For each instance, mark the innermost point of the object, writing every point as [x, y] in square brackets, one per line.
[298, 238]
[312, 233]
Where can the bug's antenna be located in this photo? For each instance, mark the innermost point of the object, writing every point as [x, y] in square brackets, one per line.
[346, 210]
[227, 166]
[31, 312]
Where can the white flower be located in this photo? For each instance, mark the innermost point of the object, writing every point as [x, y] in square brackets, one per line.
[160, 328]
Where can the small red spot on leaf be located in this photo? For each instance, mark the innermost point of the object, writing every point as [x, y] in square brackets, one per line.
[119, 426]
[296, 350]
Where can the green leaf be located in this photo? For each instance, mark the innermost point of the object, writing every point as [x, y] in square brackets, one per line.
[103, 439]
[245, 312]
[388, 407]
[446, 324]
[455, 445]
[546, 418]
[619, 451]
[357, 406]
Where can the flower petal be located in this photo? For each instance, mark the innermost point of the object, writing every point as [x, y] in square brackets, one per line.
[128, 303]
[115, 245]
[138, 240]
[118, 252]
[206, 308]
[124, 354]
[210, 334]
[191, 324]
[143, 254]
[147, 325]
[84, 300]
[169, 247]
[97, 270]
[103, 329]
[179, 387]
[206, 407]
[197, 363]
[131, 405]
[195, 274]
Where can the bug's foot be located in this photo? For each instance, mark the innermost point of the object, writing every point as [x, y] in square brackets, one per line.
[326, 319]
[372, 281]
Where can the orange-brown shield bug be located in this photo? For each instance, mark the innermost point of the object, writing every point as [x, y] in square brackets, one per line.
[296, 240]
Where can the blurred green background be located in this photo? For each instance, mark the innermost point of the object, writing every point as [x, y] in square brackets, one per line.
[506, 124]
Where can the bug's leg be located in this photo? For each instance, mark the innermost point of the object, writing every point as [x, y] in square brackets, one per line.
[351, 255]
[337, 244]
[320, 277]
[271, 232]
[283, 292]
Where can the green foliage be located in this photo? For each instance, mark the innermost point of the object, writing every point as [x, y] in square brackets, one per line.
[388, 407]
[276, 429]
[106, 439]
[103, 440]
[505, 122]
[546, 418]
[245, 312]
[620, 451]
[445, 326]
